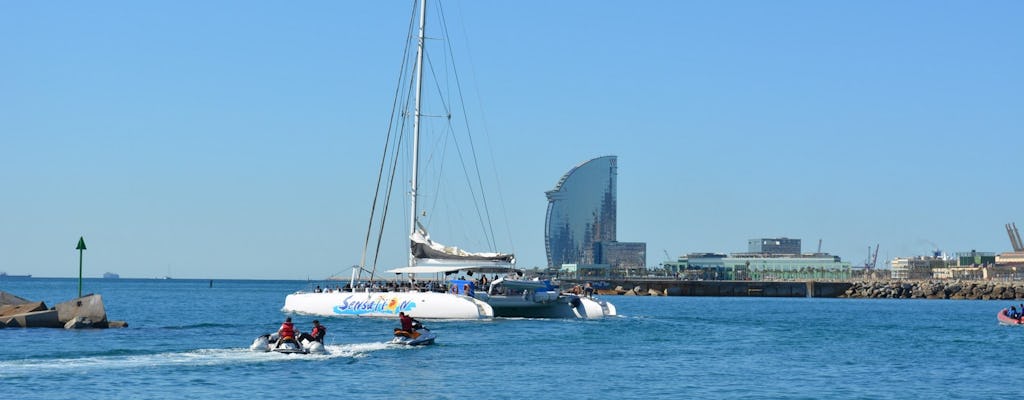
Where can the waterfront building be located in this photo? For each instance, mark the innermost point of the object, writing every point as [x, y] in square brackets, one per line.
[975, 258]
[1010, 258]
[917, 268]
[762, 266]
[774, 246]
[968, 265]
[624, 257]
[580, 223]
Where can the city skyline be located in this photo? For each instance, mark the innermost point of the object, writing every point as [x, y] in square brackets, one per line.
[241, 139]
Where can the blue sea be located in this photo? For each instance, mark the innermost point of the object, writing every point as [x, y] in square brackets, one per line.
[187, 339]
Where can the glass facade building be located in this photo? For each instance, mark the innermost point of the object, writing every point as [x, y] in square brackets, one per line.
[760, 267]
[581, 213]
[623, 255]
[774, 246]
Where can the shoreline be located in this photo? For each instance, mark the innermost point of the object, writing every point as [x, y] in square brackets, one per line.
[873, 289]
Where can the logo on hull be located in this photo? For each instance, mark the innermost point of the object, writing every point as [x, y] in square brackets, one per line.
[378, 305]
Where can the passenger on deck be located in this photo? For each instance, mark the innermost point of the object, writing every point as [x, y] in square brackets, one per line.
[318, 290]
[1012, 313]
[317, 334]
[588, 290]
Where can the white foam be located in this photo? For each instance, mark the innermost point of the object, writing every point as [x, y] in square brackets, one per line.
[205, 357]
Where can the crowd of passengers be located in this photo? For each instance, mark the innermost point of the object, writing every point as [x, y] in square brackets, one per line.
[1016, 314]
[413, 285]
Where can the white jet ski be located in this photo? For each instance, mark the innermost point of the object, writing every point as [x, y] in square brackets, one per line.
[268, 342]
[418, 337]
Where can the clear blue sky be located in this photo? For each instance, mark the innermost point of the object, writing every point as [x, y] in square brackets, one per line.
[241, 139]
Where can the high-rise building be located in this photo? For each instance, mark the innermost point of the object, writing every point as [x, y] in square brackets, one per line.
[580, 225]
[581, 212]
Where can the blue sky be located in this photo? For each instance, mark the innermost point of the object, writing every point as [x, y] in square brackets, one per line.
[241, 139]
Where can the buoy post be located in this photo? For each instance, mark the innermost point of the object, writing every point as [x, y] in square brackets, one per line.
[81, 249]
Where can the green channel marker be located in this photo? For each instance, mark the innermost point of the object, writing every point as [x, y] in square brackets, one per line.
[80, 248]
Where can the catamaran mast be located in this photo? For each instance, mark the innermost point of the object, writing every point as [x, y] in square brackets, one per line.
[416, 123]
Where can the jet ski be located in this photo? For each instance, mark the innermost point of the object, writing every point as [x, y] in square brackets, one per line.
[419, 336]
[268, 342]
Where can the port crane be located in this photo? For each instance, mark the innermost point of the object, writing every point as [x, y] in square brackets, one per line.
[1011, 230]
[872, 260]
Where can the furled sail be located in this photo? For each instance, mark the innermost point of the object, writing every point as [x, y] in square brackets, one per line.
[428, 252]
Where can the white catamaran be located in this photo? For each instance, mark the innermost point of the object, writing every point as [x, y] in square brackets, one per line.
[505, 295]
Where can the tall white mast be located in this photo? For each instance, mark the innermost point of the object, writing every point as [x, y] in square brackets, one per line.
[416, 122]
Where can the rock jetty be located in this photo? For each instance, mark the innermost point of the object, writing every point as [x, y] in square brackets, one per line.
[955, 290]
[84, 312]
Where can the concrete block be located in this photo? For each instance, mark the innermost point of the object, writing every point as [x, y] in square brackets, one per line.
[8, 310]
[38, 319]
[117, 324]
[89, 306]
[79, 323]
[10, 299]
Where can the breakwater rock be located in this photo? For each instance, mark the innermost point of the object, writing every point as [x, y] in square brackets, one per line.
[84, 312]
[956, 290]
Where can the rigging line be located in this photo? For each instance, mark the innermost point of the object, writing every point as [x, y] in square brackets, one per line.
[490, 147]
[391, 182]
[472, 193]
[391, 122]
[489, 225]
[387, 140]
[490, 240]
[440, 173]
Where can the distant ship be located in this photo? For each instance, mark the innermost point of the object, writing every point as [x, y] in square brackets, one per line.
[4, 275]
[111, 275]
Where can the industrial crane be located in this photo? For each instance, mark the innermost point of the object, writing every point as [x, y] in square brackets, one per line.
[1011, 229]
[872, 258]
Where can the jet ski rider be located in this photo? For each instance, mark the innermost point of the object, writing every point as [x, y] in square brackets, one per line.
[286, 333]
[317, 335]
[409, 324]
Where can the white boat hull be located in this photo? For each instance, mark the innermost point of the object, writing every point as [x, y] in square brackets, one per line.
[429, 305]
[559, 307]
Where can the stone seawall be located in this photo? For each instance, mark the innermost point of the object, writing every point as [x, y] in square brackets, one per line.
[957, 290]
[675, 287]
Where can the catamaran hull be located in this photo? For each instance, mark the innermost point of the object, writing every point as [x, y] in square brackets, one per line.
[429, 305]
[563, 307]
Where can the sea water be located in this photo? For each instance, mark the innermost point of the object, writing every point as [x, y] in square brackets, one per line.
[190, 338]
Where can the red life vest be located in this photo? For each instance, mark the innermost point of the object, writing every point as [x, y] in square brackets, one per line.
[287, 330]
[319, 331]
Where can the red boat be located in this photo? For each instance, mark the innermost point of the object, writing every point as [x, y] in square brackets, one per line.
[1006, 320]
